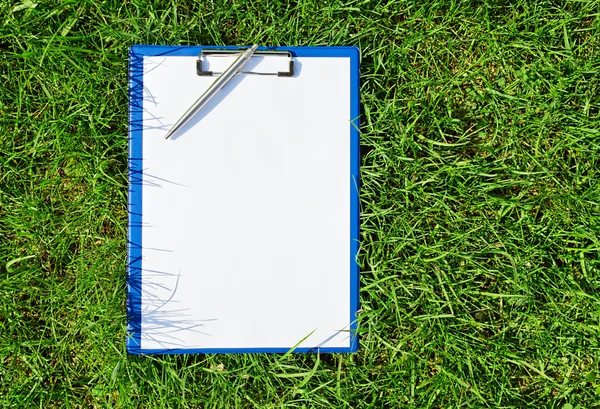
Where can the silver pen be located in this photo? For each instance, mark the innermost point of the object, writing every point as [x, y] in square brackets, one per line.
[223, 79]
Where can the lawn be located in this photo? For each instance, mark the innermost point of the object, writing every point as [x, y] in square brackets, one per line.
[480, 201]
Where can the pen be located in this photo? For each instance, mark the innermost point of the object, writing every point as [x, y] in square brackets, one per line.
[223, 79]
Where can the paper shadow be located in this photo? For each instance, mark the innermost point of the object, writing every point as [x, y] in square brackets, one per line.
[297, 68]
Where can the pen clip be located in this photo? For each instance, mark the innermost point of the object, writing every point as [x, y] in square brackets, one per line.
[228, 53]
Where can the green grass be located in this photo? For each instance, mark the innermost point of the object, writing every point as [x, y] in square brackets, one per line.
[480, 282]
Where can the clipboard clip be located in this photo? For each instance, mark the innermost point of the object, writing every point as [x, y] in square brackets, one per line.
[228, 53]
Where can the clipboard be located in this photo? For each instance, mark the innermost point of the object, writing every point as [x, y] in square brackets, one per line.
[243, 228]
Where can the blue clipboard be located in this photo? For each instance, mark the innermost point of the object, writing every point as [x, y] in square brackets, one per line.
[139, 190]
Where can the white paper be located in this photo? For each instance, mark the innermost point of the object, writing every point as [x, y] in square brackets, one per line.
[246, 211]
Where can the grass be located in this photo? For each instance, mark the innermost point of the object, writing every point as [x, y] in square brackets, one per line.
[480, 282]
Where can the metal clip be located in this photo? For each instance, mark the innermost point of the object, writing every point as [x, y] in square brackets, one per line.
[228, 53]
